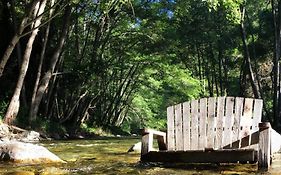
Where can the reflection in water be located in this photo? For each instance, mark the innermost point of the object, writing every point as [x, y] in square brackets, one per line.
[109, 156]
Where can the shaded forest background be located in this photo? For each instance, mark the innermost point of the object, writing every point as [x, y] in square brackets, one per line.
[68, 66]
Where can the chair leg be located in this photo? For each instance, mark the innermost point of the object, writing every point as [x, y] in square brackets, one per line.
[264, 155]
[146, 143]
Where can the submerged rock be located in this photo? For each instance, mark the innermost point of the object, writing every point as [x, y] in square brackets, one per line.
[136, 147]
[20, 152]
[29, 136]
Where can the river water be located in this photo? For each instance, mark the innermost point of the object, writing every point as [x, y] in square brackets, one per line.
[109, 156]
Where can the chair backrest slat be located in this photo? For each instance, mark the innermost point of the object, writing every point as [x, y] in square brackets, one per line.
[186, 125]
[246, 122]
[202, 123]
[171, 128]
[236, 123]
[178, 127]
[194, 125]
[211, 122]
[220, 122]
[257, 114]
[215, 122]
[229, 117]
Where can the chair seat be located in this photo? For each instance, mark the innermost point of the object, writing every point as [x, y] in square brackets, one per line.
[202, 156]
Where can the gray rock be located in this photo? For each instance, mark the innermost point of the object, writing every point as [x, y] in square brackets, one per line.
[29, 136]
[14, 133]
[20, 152]
[136, 147]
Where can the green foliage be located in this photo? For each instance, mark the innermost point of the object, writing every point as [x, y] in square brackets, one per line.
[163, 85]
[125, 61]
[95, 130]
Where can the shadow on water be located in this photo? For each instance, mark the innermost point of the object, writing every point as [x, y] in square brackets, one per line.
[109, 156]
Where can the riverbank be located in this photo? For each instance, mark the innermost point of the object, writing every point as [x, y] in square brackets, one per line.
[9, 132]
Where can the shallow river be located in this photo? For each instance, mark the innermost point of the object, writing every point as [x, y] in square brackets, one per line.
[109, 156]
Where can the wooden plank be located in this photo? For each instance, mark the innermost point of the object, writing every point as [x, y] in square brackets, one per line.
[154, 132]
[236, 123]
[229, 117]
[202, 124]
[146, 143]
[246, 122]
[194, 125]
[216, 156]
[220, 122]
[178, 127]
[186, 126]
[211, 122]
[147, 140]
[264, 145]
[161, 141]
[257, 114]
[171, 128]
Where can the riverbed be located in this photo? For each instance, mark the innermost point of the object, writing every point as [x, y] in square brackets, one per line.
[110, 156]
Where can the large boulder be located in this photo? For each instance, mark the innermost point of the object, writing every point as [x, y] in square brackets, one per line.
[20, 152]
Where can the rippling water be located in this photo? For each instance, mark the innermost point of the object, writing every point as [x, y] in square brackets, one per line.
[109, 156]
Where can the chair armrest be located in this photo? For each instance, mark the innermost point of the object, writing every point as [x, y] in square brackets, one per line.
[154, 132]
[147, 140]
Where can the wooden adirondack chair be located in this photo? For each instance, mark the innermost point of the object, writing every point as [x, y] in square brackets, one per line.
[212, 130]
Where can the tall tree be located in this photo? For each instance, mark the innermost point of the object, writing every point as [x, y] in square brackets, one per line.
[276, 13]
[24, 23]
[53, 62]
[14, 105]
[32, 116]
[248, 65]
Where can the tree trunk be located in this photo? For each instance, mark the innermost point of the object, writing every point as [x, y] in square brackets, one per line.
[13, 108]
[276, 64]
[213, 70]
[220, 57]
[266, 115]
[278, 55]
[254, 85]
[19, 53]
[208, 76]
[16, 37]
[123, 89]
[46, 78]
[42, 55]
[199, 62]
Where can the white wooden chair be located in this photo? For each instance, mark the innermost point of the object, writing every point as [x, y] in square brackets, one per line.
[212, 130]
